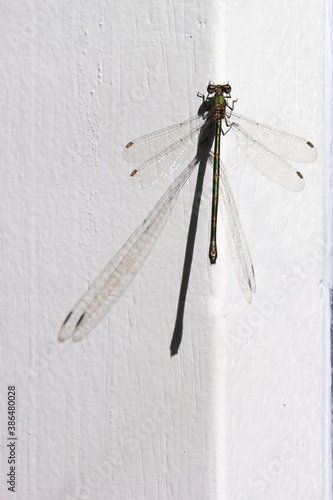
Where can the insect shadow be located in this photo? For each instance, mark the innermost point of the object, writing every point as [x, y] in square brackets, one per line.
[205, 143]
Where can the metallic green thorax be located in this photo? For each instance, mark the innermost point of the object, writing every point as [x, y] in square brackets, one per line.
[219, 115]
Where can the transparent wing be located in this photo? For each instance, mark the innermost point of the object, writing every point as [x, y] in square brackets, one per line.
[109, 286]
[267, 162]
[236, 239]
[153, 144]
[165, 161]
[288, 146]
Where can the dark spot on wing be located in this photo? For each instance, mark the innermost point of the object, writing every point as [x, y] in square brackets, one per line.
[129, 145]
[67, 318]
[249, 282]
[134, 172]
[310, 144]
[252, 270]
[299, 175]
[81, 318]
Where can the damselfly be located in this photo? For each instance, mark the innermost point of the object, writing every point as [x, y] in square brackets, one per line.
[163, 152]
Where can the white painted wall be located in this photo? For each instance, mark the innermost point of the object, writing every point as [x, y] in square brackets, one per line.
[242, 412]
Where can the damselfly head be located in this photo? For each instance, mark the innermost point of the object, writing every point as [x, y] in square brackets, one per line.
[224, 89]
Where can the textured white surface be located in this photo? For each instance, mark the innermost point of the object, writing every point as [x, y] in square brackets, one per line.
[241, 412]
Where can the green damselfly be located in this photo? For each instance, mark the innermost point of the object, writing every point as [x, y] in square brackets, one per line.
[161, 153]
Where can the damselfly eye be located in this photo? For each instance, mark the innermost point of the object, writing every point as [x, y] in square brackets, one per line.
[226, 89]
[211, 89]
